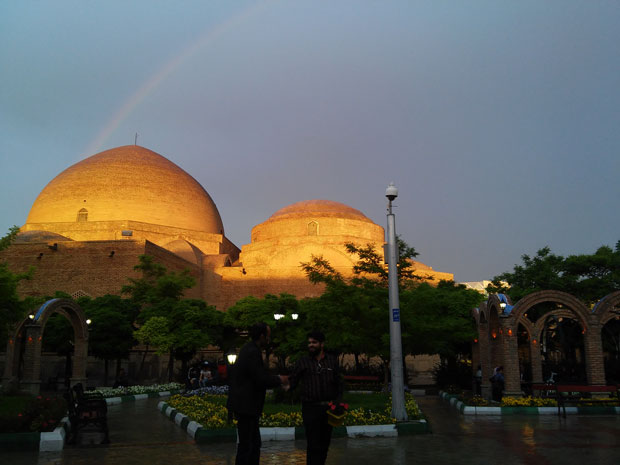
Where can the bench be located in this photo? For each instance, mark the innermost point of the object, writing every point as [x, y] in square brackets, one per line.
[86, 408]
[362, 379]
[573, 394]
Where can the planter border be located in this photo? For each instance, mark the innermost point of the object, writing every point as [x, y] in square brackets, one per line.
[202, 435]
[55, 440]
[490, 410]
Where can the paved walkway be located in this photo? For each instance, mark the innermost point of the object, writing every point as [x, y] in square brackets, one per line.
[140, 435]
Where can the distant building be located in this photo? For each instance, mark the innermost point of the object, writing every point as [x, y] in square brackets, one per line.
[89, 225]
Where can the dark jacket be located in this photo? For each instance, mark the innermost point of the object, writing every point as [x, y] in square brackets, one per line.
[248, 382]
[321, 379]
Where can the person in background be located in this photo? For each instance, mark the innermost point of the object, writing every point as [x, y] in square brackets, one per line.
[121, 379]
[497, 384]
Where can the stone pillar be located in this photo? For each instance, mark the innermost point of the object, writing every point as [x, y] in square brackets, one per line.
[475, 361]
[9, 377]
[485, 362]
[80, 354]
[536, 360]
[31, 381]
[510, 356]
[595, 365]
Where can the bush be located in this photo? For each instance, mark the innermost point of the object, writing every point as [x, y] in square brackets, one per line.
[133, 390]
[458, 373]
[23, 414]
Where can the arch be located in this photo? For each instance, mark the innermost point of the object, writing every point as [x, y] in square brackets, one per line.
[313, 228]
[529, 301]
[30, 332]
[82, 215]
[605, 309]
[185, 250]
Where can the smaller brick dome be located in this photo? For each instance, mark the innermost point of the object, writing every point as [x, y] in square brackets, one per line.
[318, 218]
[323, 208]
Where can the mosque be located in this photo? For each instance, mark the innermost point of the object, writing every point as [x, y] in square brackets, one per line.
[88, 226]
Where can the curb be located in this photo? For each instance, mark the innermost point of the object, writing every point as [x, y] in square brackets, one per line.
[135, 397]
[44, 442]
[202, 435]
[55, 440]
[486, 410]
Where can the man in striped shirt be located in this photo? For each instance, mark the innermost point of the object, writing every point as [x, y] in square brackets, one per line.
[319, 374]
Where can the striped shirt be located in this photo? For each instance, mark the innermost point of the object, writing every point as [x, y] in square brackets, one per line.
[321, 379]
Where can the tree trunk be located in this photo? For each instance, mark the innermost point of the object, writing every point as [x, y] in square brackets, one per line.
[357, 362]
[386, 372]
[105, 372]
[140, 374]
[171, 366]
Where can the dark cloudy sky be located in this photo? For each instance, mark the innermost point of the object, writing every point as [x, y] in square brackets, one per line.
[499, 121]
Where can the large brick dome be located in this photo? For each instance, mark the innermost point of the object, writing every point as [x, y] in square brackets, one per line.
[127, 183]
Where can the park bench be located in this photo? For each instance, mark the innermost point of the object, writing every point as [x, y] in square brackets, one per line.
[86, 408]
[575, 394]
[360, 380]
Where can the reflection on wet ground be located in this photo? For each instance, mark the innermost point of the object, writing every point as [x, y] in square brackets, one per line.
[140, 435]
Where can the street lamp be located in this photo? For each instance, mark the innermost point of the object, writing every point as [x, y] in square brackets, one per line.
[294, 316]
[277, 316]
[396, 352]
[231, 357]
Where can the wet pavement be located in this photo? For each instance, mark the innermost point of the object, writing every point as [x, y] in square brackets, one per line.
[140, 435]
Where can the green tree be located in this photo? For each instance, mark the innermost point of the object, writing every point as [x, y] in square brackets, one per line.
[12, 308]
[435, 320]
[288, 335]
[111, 328]
[179, 326]
[588, 276]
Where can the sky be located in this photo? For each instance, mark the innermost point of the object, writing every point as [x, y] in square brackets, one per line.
[499, 122]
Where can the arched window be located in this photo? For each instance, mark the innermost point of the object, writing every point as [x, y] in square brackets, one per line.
[82, 215]
[313, 228]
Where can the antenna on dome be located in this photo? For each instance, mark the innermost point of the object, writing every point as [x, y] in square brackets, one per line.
[135, 140]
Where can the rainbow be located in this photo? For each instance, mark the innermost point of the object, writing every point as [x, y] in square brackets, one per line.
[204, 40]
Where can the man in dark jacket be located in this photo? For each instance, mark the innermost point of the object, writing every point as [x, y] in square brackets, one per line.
[319, 373]
[248, 383]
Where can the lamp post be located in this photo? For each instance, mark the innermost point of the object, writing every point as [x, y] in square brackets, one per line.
[396, 352]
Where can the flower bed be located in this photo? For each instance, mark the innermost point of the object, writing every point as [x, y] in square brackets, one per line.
[134, 390]
[478, 401]
[210, 411]
[31, 414]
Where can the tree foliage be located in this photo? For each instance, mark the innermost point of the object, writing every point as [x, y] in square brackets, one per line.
[12, 308]
[589, 277]
[168, 322]
[355, 313]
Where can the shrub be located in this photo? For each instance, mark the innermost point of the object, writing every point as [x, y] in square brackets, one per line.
[32, 414]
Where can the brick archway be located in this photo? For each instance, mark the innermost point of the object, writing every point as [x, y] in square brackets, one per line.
[29, 334]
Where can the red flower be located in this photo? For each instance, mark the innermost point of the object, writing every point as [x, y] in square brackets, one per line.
[346, 406]
[333, 407]
[19, 414]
